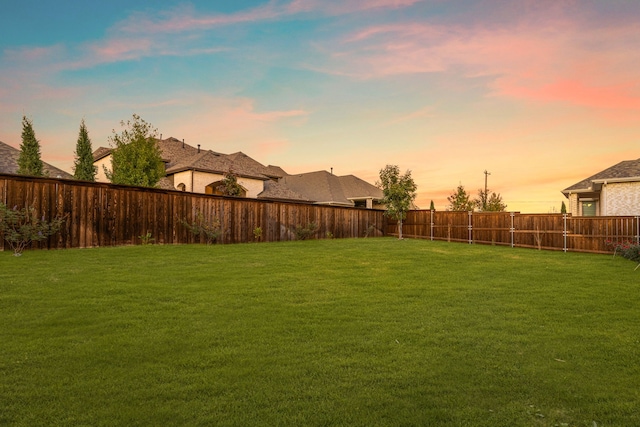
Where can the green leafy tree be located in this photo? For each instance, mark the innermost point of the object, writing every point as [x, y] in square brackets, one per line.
[460, 200]
[29, 161]
[489, 202]
[399, 192]
[83, 168]
[230, 187]
[136, 158]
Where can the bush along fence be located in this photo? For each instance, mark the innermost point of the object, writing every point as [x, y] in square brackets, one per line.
[541, 231]
[99, 214]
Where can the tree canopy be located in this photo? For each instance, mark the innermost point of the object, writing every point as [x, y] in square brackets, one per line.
[29, 161]
[399, 192]
[229, 185]
[460, 200]
[490, 202]
[83, 168]
[136, 158]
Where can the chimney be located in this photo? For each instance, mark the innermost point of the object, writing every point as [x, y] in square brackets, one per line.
[182, 143]
[160, 137]
[198, 148]
[331, 171]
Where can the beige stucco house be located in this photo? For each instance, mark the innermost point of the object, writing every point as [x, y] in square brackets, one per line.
[201, 171]
[614, 191]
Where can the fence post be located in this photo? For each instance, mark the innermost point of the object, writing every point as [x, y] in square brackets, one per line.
[470, 227]
[431, 223]
[512, 230]
[564, 232]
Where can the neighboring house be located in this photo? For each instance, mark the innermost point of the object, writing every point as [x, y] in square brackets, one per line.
[202, 171]
[9, 163]
[325, 188]
[612, 192]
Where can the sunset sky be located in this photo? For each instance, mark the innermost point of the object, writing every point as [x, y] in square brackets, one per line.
[539, 93]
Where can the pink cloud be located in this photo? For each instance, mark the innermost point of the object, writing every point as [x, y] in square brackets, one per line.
[555, 63]
[346, 6]
[34, 54]
[120, 49]
[574, 92]
[187, 19]
[221, 123]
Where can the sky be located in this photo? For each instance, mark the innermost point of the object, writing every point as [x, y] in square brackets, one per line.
[539, 94]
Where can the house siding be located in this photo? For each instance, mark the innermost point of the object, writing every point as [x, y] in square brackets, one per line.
[573, 204]
[183, 178]
[103, 163]
[620, 199]
[253, 186]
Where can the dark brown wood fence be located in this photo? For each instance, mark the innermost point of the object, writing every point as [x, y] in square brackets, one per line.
[541, 231]
[100, 214]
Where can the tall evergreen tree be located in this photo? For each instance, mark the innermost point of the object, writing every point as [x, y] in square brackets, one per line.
[83, 168]
[29, 161]
[399, 192]
[136, 158]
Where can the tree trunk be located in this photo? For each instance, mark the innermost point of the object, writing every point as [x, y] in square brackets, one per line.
[400, 229]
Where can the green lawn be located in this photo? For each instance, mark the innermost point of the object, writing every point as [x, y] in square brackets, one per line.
[357, 332]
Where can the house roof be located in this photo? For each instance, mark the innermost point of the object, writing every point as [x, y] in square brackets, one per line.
[318, 187]
[100, 153]
[324, 187]
[628, 170]
[181, 156]
[274, 190]
[9, 163]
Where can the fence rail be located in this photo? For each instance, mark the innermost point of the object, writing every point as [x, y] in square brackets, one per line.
[99, 214]
[542, 231]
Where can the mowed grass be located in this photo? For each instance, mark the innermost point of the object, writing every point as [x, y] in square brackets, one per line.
[358, 332]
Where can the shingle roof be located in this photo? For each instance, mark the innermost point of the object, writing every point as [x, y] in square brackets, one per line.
[627, 169]
[100, 153]
[324, 187]
[181, 156]
[275, 191]
[9, 163]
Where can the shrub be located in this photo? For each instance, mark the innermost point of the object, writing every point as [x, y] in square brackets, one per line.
[257, 233]
[626, 249]
[303, 233]
[200, 227]
[146, 238]
[20, 227]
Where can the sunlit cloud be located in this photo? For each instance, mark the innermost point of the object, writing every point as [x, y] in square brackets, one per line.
[231, 124]
[187, 19]
[338, 7]
[522, 61]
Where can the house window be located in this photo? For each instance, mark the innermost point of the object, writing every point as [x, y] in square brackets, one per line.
[589, 208]
[181, 187]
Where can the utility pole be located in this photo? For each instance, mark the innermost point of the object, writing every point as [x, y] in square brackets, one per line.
[486, 196]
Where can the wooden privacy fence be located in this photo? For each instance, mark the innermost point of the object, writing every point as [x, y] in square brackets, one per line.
[541, 231]
[100, 214]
